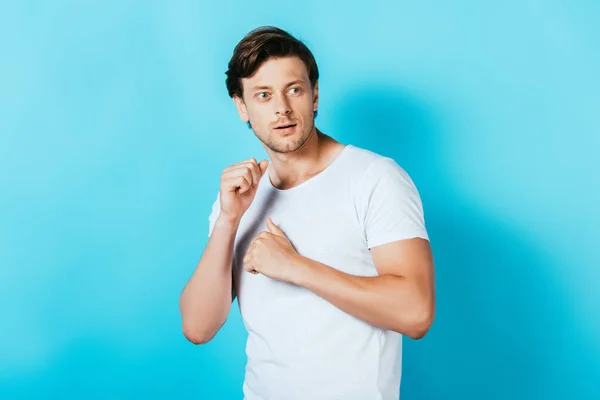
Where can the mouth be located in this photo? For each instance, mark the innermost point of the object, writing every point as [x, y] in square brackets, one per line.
[285, 126]
[286, 129]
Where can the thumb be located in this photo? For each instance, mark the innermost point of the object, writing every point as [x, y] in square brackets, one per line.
[274, 229]
[263, 166]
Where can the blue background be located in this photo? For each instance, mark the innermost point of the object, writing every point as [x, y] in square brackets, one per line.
[115, 125]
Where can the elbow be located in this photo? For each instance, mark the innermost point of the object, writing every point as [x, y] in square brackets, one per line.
[418, 332]
[193, 327]
[197, 335]
[421, 324]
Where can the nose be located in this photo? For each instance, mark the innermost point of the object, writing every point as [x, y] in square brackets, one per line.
[282, 106]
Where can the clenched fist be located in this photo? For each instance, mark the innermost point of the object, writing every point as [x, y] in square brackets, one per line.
[239, 183]
[272, 254]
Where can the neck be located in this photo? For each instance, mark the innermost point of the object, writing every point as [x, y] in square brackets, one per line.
[291, 169]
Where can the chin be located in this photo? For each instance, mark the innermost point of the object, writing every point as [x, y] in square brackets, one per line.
[285, 144]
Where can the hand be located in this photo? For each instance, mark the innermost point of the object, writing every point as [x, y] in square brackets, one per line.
[239, 183]
[272, 254]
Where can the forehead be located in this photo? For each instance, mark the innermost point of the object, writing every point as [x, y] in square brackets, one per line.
[277, 72]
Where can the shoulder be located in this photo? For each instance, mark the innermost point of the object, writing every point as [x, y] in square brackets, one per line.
[370, 166]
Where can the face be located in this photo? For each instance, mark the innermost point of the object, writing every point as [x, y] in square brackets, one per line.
[279, 103]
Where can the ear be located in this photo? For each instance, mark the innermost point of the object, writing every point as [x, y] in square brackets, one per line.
[241, 108]
[316, 96]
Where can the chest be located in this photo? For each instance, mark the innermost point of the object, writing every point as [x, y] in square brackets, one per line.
[323, 226]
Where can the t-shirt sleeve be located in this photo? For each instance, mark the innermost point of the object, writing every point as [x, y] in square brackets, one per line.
[391, 205]
[214, 214]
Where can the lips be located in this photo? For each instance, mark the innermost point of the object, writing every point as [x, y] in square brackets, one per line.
[285, 130]
[285, 126]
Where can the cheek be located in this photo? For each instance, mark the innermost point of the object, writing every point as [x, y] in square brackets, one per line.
[305, 106]
[258, 114]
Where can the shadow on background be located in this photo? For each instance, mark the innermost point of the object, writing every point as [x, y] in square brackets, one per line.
[504, 327]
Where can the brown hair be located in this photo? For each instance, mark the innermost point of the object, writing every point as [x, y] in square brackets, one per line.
[257, 47]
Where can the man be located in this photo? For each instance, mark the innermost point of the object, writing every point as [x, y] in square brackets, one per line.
[325, 246]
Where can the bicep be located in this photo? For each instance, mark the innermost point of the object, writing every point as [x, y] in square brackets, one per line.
[411, 259]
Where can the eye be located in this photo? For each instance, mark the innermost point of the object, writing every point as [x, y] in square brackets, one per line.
[262, 95]
[295, 90]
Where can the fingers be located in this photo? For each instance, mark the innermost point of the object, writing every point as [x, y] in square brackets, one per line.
[249, 260]
[241, 177]
[254, 170]
[248, 264]
[263, 167]
[233, 166]
[233, 183]
[274, 228]
[250, 170]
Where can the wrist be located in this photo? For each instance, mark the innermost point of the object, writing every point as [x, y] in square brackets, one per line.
[228, 221]
[298, 269]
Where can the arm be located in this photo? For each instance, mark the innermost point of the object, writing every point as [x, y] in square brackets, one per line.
[206, 299]
[401, 298]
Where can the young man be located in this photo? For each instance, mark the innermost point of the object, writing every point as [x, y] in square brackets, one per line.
[325, 247]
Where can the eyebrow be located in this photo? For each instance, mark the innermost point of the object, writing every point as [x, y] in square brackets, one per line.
[294, 82]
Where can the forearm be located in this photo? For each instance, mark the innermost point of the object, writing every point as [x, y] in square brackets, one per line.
[386, 301]
[206, 299]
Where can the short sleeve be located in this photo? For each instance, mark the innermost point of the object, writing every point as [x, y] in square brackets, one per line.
[214, 214]
[391, 207]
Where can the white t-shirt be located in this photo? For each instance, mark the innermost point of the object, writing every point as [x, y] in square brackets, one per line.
[299, 345]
